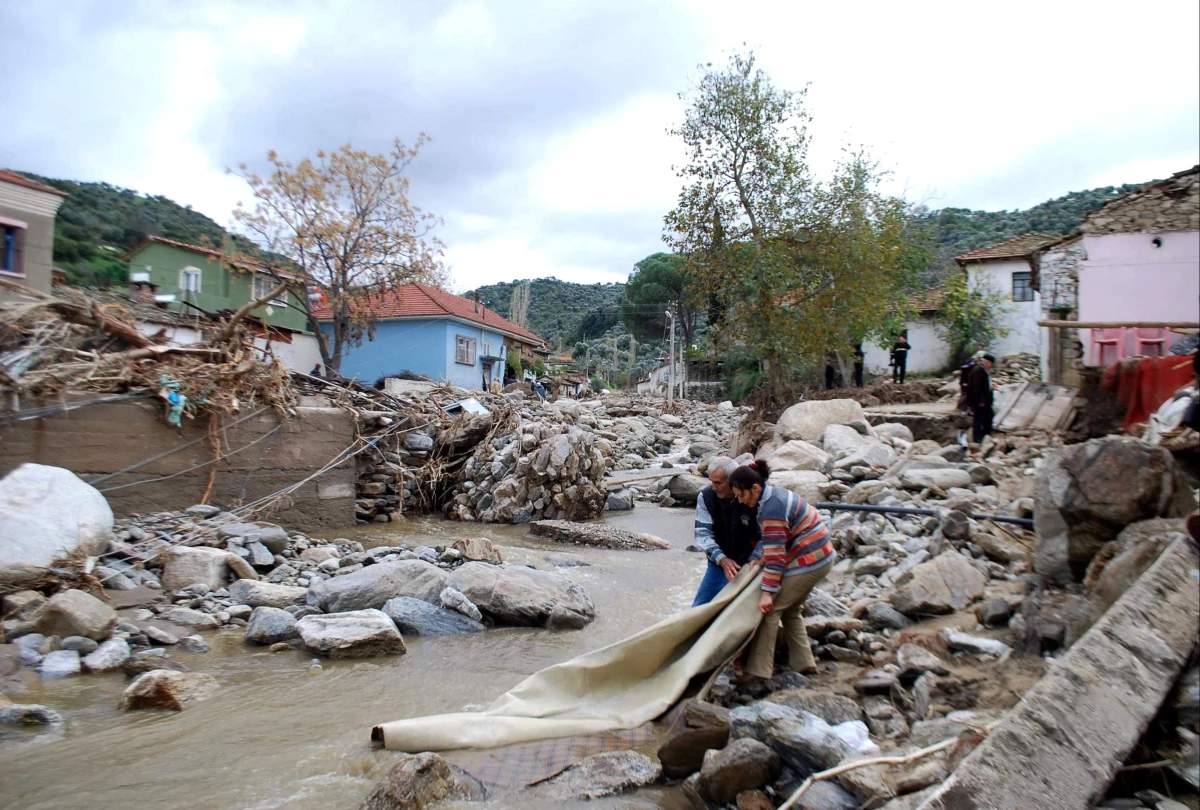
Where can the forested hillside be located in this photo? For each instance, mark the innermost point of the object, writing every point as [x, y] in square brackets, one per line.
[958, 230]
[558, 309]
[99, 222]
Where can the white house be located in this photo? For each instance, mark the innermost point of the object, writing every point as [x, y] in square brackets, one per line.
[1007, 268]
[929, 352]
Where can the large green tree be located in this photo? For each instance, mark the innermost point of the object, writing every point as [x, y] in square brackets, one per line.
[798, 268]
[661, 283]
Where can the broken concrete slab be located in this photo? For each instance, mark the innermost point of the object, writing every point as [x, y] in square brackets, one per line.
[1063, 743]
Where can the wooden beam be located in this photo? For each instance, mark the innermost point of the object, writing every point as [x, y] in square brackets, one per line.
[1119, 324]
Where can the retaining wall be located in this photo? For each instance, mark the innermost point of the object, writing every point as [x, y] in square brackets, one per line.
[101, 439]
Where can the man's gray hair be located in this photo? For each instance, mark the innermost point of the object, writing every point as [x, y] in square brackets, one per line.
[723, 463]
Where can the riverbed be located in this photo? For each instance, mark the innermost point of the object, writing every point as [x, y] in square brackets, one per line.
[276, 736]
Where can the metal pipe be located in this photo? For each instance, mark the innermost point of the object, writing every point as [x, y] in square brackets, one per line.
[908, 510]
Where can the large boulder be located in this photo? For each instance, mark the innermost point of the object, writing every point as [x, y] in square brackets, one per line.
[75, 613]
[419, 781]
[418, 618]
[805, 483]
[942, 479]
[355, 634]
[479, 549]
[48, 512]
[744, 764]
[270, 625]
[524, 597]
[374, 585]
[266, 594]
[1121, 562]
[945, 584]
[1085, 494]
[108, 656]
[799, 455]
[166, 689]
[831, 708]
[186, 566]
[808, 420]
[602, 775]
[805, 742]
[686, 488]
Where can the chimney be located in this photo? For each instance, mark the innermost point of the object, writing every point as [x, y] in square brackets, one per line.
[144, 292]
[476, 303]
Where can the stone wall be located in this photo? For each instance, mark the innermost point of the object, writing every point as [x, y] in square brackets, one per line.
[1058, 283]
[102, 439]
[1170, 205]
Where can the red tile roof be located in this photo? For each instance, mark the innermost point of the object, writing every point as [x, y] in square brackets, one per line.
[928, 300]
[418, 300]
[21, 180]
[1016, 248]
[172, 243]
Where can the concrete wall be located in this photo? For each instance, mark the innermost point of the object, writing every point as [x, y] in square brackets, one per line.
[930, 354]
[1020, 317]
[102, 439]
[36, 209]
[1126, 277]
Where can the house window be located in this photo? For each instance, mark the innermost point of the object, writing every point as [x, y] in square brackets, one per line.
[189, 279]
[465, 351]
[12, 249]
[1021, 289]
[263, 285]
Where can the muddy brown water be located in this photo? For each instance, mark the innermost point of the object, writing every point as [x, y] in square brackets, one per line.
[277, 737]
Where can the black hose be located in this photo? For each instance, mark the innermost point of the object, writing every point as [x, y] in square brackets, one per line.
[908, 510]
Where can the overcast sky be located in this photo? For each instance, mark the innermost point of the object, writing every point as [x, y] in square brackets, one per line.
[549, 153]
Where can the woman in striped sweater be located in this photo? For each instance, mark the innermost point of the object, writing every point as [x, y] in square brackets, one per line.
[797, 554]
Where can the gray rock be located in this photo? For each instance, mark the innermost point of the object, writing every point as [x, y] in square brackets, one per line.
[22, 604]
[374, 585]
[60, 664]
[185, 566]
[965, 642]
[883, 719]
[942, 479]
[744, 764]
[831, 708]
[80, 644]
[418, 618]
[417, 442]
[478, 549]
[876, 682]
[685, 488]
[270, 625]
[259, 555]
[597, 535]
[193, 644]
[808, 420]
[619, 501]
[114, 580]
[1085, 494]
[168, 689]
[108, 656]
[452, 599]
[420, 781]
[894, 430]
[918, 660]
[160, 636]
[883, 616]
[603, 775]
[30, 714]
[75, 613]
[953, 452]
[945, 584]
[805, 742]
[524, 596]
[799, 455]
[187, 617]
[36, 527]
[827, 795]
[956, 526]
[872, 565]
[266, 594]
[203, 510]
[993, 612]
[354, 634]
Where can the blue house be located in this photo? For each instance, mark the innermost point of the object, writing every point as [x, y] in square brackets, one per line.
[428, 331]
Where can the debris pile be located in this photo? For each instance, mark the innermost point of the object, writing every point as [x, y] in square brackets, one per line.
[72, 341]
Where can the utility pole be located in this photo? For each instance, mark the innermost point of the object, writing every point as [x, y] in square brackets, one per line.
[632, 351]
[671, 369]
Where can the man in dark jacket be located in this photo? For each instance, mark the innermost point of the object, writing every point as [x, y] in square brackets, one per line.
[900, 358]
[980, 397]
[726, 531]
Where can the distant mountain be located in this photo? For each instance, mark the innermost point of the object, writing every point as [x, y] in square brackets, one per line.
[558, 309]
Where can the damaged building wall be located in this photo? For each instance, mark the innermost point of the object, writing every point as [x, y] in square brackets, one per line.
[102, 439]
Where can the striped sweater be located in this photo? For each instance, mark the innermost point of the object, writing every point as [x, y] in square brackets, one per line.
[794, 537]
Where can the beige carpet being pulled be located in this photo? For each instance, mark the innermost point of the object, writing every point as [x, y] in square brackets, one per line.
[620, 686]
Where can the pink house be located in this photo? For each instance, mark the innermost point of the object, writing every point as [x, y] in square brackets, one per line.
[1141, 262]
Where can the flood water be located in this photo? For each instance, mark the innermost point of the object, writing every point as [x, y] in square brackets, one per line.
[277, 737]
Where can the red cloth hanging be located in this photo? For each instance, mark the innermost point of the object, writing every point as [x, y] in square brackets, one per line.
[1142, 384]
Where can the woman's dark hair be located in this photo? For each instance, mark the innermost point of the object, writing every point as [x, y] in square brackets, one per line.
[746, 476]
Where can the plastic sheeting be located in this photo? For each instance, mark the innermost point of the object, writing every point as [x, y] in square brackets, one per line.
[619, 686]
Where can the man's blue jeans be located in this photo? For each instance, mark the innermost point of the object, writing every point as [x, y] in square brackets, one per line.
[714, 580]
